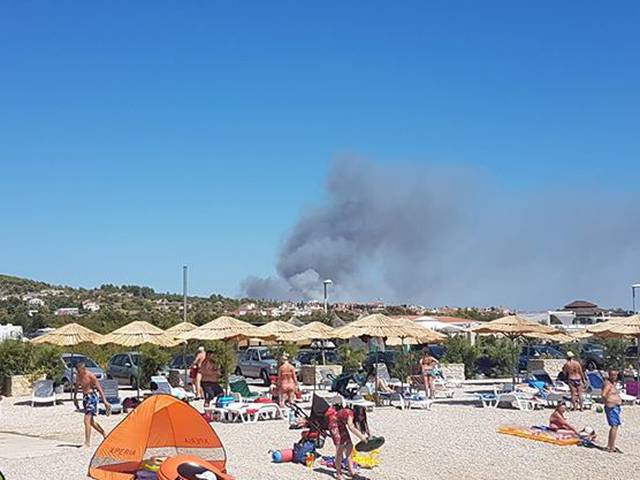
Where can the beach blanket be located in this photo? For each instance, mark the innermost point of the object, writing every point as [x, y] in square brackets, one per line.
[540, 435]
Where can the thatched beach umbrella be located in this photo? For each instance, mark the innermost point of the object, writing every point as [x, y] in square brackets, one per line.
[628, 327]
[69, 335]
[139, 333]
[513, 327]
[224, 328]
[277, 327]
[181, 327]
[380, 326]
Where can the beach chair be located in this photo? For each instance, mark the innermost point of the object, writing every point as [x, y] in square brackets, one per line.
[440, 386]
[110, 389]
[324, 377]
[249, 412]
[513, 397]
[240, 386]
[163, 386]
[43, 393]
[383, 374]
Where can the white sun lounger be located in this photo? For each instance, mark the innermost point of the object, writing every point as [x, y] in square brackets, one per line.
[43, 393]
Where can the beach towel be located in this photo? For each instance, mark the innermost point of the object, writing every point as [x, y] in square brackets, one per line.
[540, 435]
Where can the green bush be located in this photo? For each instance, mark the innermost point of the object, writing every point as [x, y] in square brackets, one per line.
[289, 348]
[501, 352]
[46, 360]
[352, 358]
[152, 359]
[404, 364]
[15, 359]
[614, 350]
[460, 350]
[224, 354]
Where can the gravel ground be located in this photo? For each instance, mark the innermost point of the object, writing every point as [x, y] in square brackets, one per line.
[451, 441]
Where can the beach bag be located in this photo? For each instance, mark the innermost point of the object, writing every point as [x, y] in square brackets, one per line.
[301, 450]
[223, 401]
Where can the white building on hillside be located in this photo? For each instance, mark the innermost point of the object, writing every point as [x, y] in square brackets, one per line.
[9, 331]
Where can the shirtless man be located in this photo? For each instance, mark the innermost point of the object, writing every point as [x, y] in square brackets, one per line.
[197, 363]
[612, 402]
[89, 385]
[427, 365]
[575, 378]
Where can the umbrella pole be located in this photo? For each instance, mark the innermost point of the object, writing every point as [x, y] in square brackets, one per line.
[514, 366]
[72, 374]
[637, 369]
[184, 365]
[138, 375]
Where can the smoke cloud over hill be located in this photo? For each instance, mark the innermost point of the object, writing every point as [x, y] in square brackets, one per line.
[418, 234]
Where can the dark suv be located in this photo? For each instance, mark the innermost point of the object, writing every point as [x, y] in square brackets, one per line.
[537, 351]
[592, 356]
[314, 356]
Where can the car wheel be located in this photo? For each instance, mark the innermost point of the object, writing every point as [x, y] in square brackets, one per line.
[265, 378]
[238, 372]
[134, 382]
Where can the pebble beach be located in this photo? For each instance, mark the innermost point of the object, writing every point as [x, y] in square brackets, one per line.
[449, 442]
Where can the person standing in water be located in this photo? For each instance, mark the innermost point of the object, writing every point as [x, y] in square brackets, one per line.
[91, 389]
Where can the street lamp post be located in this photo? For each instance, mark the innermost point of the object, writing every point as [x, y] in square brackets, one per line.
[633, 295]
[325, 284]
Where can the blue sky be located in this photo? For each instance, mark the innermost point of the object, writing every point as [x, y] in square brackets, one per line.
[138, 136]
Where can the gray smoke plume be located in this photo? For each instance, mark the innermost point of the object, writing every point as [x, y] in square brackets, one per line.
[441, 237]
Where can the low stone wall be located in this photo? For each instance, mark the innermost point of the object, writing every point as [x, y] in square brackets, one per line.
[454, 370]
[307, 371]
[17, 386]
[553, 366]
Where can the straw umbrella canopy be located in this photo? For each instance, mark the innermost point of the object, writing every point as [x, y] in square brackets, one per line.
[381, 326]
[277, 327]
[319, 330]
[620, 328]
[69, 335]
[513, 327]
[224, 328]
[138, 333]
[581, 335]
[181, 327]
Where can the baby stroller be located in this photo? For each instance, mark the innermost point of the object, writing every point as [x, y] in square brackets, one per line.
[315, 423]
[340, 384]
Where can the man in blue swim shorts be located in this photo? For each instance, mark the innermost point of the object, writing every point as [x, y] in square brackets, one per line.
[90, 387]
[612, 408]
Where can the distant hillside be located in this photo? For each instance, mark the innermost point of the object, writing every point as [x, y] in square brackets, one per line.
[17, 285]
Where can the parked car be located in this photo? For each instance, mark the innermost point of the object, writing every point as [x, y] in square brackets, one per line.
[592, 356]
[71, 360]
[314, 356]
[258, 362]
[537, 351]
[123, 367]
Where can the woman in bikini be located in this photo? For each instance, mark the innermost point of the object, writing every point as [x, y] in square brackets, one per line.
[428, 365]
[287, 383]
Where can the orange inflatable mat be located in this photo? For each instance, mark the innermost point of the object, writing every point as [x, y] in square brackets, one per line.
[539, 435]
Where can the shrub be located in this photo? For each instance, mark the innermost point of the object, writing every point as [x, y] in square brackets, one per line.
[47, 361]
[15, 359]
[152, 359]
[404, 364]
[290, 349]
[460, 350]
[499, 355]
[224, 354]
[614, 353]
[352, 358]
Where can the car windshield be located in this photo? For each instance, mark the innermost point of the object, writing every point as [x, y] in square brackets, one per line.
[136, 358]
[72, 361]
[266, 355]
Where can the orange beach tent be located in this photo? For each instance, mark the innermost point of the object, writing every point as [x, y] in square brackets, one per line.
[162, 425]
